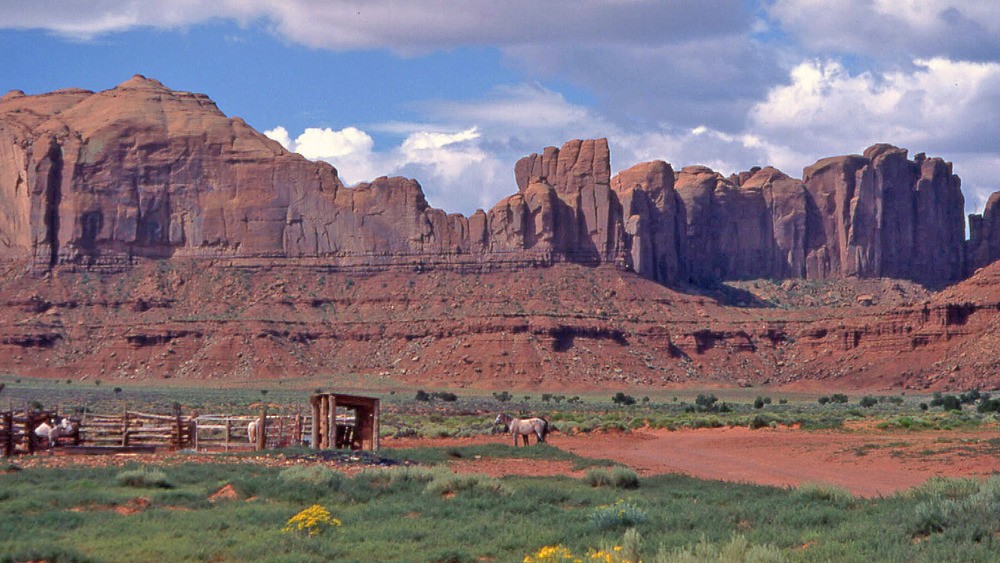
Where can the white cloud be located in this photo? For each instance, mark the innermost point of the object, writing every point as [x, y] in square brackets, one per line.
[932, 106]
[317, 143]
[280, 134]
[401, 25]
[967, 29]
[941, 107]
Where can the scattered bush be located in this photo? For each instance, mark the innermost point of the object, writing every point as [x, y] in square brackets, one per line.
[597, 478]
[759, 421]
[823, 400]
[621, 398]
[446, 483]
[824, 491]
[989, 405]
[970, 396]
[623, 513]
[422, 395]
[951, 403]
[706, 402]
[839, 398]
[144, 479]
[868, 401]
[445, 396]
[736, 550]
[624, 478]
[316, 475]
[502, 396]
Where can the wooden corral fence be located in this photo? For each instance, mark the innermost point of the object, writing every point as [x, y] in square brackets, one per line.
[336, 421]
[229, 432]
[17, 432]
[137, 429]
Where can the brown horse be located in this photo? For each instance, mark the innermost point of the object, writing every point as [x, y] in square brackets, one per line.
[523, 427]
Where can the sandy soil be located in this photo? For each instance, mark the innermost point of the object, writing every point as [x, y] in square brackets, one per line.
[866, 462]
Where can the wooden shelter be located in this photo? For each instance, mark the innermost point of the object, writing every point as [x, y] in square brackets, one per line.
[344, 421]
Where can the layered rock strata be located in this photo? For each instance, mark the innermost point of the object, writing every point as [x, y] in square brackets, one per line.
[142, 171]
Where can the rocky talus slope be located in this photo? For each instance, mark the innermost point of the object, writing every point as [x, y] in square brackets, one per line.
[561, 327]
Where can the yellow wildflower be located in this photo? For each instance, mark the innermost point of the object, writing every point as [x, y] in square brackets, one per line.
[314, 520]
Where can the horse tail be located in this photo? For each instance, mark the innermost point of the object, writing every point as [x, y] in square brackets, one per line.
[545, 429]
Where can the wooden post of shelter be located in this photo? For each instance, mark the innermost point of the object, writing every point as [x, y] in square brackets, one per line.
[180, 431]
[314, 431]
[328, 433]
[262, 429]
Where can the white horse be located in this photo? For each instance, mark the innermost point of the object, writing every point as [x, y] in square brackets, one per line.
[524, 427]
[252, 432]
[51, 430]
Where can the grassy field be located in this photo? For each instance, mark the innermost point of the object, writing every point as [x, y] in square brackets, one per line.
[425, 513]
[422, 512]
[419, 413]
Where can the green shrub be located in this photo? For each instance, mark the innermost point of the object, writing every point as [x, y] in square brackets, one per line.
[622, 514]
[597, 478]
[823, 400]
[824, 491]
[759, 421]
[624, 478]
[706, 402]
[839, 398]
[951, 403]
[736, 550]
[452, 483]
[989, 405]
[620, 398]
[143, 478]
[868, 401]
[316, 475]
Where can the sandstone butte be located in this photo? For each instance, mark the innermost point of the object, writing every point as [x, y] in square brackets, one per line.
[136, 183]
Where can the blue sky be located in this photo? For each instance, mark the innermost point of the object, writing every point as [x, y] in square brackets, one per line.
[453, 92]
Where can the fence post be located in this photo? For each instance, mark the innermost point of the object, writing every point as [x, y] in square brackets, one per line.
[125, 428]
[29, 430]
[262, 429]
[180, 432]
[297, 440]
[8, 439]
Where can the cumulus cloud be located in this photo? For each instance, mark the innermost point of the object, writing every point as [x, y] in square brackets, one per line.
[943, 107]
[825, 106]
[633, 54]
[400, 25]
[464, 155]
[964, 29]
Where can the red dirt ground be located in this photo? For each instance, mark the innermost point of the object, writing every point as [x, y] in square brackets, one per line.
[866, 462]
[863, 462]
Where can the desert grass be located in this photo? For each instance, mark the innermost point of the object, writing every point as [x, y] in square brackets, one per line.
[426, 513]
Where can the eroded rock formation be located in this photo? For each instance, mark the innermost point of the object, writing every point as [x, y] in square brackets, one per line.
[142, 171]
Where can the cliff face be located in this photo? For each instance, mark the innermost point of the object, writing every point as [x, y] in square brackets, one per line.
[142, 171]
[984, 235]
[881, 215]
